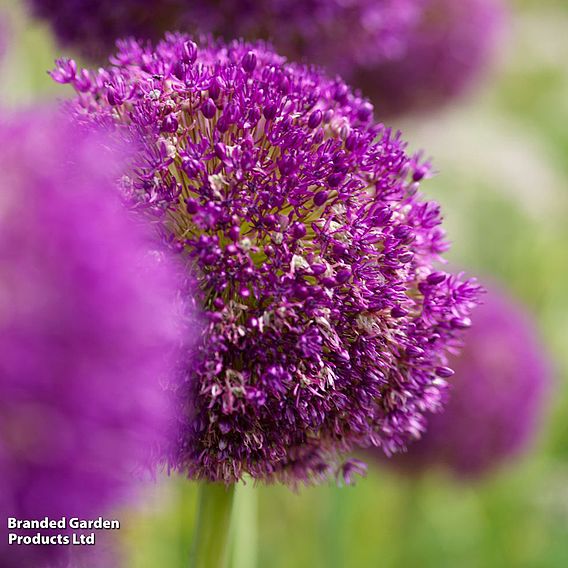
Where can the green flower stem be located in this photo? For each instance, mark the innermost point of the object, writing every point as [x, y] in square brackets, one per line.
[212, 530]
[245, 525]
[333, 535]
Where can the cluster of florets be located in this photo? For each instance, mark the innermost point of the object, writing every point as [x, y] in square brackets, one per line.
[328, 326]
[496, 401]
[90, 324]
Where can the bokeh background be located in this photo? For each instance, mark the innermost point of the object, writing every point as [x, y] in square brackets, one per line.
[502, 160]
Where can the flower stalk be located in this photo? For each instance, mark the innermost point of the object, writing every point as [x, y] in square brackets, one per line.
[210, 547]
[245, 527]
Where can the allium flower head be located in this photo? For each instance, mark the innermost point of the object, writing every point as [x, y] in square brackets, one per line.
[447, 49]
[405, 54]
[94, 25]
[341, 34]
[328, 325]
[497, 399]
[87, 323]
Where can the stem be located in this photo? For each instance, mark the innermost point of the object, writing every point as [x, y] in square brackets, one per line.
[334, 527]
[186, 498]
[212, 531]
[245, 527]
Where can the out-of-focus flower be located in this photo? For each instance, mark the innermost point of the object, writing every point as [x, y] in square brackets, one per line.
[93, 26]
[88, 331]
[405, 54]
[341, 34]
[328, 325]
[446, 51]
[497, 399]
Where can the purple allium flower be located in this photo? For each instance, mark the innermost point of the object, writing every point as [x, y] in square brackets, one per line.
[94, 25]
[88, 320]
[313, 248]
[405, 54]
[445, 53]
[497, 399]
[342, 34]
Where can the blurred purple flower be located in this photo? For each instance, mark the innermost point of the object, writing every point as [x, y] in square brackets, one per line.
[93, 26]
[405, 54]
[497, 398]
[328, 326]
[446, 51]
[342, 34]
[88, 330]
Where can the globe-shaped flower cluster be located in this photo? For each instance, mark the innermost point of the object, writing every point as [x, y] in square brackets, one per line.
[93, 26]
[344, 34]
[447, 50]
[497, 400]
[328, 326]
[406, 55]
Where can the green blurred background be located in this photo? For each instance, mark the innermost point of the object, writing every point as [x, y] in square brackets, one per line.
[502, 158]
